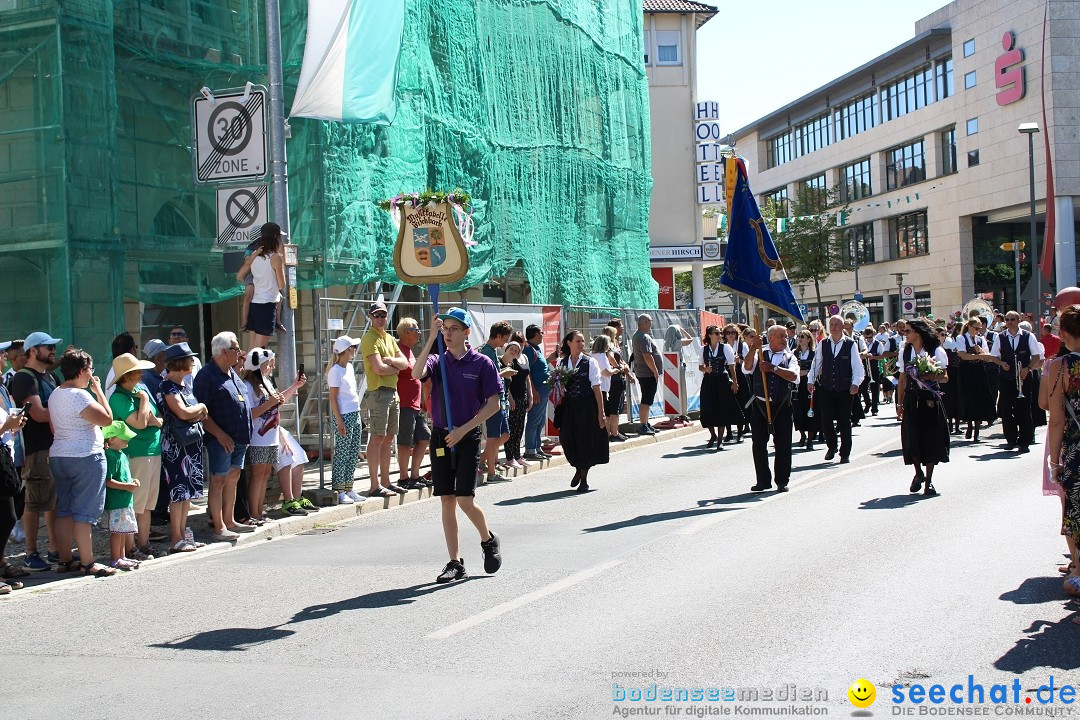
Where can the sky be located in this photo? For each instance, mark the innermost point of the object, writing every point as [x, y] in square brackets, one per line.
[755, 57]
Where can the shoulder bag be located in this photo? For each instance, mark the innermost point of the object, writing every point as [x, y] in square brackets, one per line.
[183, 433]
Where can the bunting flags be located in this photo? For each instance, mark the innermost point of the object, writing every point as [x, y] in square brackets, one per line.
[752, 265]
[351, 61]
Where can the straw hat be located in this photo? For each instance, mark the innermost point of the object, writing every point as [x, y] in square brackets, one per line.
[123, 364]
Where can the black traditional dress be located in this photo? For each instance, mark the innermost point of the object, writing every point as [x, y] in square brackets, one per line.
[804, 423]
[951, 391]
[977, 395]
[719, 406]
[740, 350]
[584, 441]
[924, 431]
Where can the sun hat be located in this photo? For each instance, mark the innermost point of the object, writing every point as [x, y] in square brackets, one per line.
[178, 351]
[123, 364]
[118, 429]
[456, 313]
[345, 342]
[257, 357]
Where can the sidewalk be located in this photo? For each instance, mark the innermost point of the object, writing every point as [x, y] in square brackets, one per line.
[281, 525]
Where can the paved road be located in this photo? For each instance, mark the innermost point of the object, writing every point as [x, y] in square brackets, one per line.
[670, 567]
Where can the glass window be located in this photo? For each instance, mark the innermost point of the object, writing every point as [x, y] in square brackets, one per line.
[972, 126]
[856, 116]
[815, 183]
[973, 158]
[916, 90]
[948, 152]
[969, 80]
[905, 165]
[943, 74]
[969, 47]
[855, 181]
[668, 43]
[859, 245]
[908, 235]
[779, 198]
[800, 140]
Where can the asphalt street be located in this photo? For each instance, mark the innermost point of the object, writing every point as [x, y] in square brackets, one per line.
[669, 572]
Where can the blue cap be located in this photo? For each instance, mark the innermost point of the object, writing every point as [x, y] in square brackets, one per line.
[178, 351]
[39, 338]
[5, 345]
[456, 313]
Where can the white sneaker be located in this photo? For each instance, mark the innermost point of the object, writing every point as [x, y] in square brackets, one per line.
[355, 496]
[344, 499]
[17, 533]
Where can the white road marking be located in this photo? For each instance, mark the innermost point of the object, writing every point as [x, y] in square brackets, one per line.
[521, 601]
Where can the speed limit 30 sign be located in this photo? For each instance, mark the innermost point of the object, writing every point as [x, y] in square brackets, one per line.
[229, 136]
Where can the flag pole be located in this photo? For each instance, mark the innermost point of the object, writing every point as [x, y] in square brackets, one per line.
[433, 291]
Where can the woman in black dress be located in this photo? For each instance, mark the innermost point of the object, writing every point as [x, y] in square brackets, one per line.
[718, 401]
[739, 349]
[616, 395]
[517, 393]
[807, 424]
[976, 393]
[951, 391]
[924, 431]
[583, 422]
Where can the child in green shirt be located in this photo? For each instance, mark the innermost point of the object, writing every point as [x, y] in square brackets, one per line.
[119, 501]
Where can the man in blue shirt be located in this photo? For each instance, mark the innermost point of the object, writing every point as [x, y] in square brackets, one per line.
[229, 431]
[539, 373]
[473, 386]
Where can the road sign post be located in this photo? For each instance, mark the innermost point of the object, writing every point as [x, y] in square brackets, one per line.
[229, 130]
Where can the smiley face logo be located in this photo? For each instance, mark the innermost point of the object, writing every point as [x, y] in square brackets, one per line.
[862, 693]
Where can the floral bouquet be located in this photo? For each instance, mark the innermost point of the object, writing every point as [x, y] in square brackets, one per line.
[927, 365]
[560, 382]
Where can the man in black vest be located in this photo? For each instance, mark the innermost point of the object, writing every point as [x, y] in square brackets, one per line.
[834, 379]
[779, 369]
[1019, 355]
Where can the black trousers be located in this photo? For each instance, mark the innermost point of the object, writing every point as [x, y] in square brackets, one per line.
[868, 391]
[835, 409]
[783, 422]
[1015, 414]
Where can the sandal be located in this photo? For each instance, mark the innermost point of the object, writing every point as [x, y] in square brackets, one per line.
[182, 547]
[4, 588]
[101, 572]
[70, 566]
[1065, 569]
[124, 564]
[382, 492]
[13, 571]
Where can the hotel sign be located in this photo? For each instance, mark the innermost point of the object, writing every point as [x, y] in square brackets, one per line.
[1009, 72]
[709, 168]
[674, 253]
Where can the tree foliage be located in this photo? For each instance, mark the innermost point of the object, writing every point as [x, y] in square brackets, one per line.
[814, 245]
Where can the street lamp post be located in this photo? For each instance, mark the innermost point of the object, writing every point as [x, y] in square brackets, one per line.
[1029, 129]
[899, 296]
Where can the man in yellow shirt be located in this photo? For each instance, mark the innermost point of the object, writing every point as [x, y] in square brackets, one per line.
[383, 360]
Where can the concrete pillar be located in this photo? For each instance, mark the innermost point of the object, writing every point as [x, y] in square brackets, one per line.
[697, 281]
[1064, 242]
[886, 299]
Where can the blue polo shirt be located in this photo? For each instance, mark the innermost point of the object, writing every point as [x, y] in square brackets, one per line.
[471, 380]
[223, 396]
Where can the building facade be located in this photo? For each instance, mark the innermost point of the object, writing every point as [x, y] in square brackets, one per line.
[922, 146]
[675, 229]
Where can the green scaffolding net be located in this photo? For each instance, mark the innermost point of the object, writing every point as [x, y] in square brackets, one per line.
[538, 108]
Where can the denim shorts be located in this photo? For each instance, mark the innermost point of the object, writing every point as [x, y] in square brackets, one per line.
[221, 462]
[499, 424]
[80, 487]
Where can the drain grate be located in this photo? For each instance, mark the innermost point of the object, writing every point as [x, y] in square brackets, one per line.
[318, 531]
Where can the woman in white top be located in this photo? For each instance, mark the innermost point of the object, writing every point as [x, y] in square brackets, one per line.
[265, 403]
[924, 431]
[345, 405]
[77, 460]
[267, 267]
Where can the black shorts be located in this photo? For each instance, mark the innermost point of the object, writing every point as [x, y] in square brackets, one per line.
[454, 471]
[613, 401]
[648, 390]
[262, 318]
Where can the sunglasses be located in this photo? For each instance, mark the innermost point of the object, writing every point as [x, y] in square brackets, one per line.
[378, 315]
[178, 334]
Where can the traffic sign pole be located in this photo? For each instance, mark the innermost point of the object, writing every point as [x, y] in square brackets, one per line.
[279, 189]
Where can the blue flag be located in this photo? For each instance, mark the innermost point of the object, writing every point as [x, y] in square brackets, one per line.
[752, 264]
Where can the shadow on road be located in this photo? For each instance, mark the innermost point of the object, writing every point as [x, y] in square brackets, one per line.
[240, 639]
[1051, 645]
[898, 452]
[736, 499]
[999, 455]
[557, 495]
[1035, 591]
[655, 518]
[691, 451]
[893, 502]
